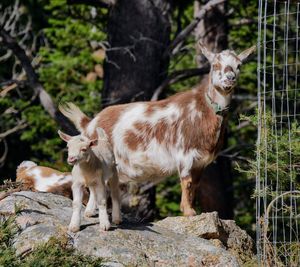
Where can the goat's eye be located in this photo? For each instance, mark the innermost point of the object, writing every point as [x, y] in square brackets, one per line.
[238, 66]
[83, 149]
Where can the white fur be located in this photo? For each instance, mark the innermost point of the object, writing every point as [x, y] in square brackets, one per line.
[27, 164]
[142, 163]
[93, 167]
[92, 126]
[43, 184]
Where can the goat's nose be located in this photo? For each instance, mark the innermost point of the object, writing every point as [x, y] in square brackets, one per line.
[230, 76]
[71, 159]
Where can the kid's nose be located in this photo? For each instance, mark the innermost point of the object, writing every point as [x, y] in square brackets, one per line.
[71, 160]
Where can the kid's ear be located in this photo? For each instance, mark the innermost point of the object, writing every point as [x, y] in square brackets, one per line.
[246, 53]
[208, 54]
[93, 142]
[64, 136]
[101, 133]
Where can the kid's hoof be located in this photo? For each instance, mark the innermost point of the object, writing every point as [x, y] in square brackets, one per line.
[104, 226]
[74, 228]
[89, 213]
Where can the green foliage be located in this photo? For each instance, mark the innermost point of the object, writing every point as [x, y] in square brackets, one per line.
[279, 151]
[55, 252]
[168, 197]
[7, 231]
[65, 61]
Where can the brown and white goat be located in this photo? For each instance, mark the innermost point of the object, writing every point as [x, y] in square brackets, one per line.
[93, 166]
[44, 179]
[183, 133]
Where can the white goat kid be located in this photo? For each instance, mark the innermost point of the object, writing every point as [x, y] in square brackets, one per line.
[94, 165]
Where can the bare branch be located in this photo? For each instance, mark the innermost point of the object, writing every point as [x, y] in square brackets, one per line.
[185, 32]
[21, 125]
[6, 89]
[33, 81]
[4, 155]
[243, 21]
[177, 76]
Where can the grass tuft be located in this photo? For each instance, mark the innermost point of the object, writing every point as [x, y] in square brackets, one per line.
[55, 252]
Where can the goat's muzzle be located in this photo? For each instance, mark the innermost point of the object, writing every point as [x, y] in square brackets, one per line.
[72, 160]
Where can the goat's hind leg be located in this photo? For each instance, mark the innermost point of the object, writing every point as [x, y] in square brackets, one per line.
[91, 206]
[115, 199]
[187, 196]
[100, 194]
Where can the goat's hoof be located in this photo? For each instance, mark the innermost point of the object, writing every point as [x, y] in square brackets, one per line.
[117, 221]
[104, 226]
[74, 228]
[89, 213]
[189, 212]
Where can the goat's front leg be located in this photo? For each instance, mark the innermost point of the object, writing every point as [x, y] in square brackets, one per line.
[115, 199]
[100, 194]
[91, 206]
[187, 196]
[77, 190]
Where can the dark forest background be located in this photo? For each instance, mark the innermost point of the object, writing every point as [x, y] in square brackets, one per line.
[99, 53]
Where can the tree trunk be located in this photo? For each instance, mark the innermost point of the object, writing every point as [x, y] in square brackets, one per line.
[138, 34]
[214, 192]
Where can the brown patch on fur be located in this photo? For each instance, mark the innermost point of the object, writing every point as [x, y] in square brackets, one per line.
[26, 180]
[143, 127]
[222, 92]
[154, 106]
[145, 133]
[84, 122]
[161, 130]
[132, 140]
[201, 133]
[108, 117]
[47, 172]
[217, 66]
[228, 69]
[62, 189]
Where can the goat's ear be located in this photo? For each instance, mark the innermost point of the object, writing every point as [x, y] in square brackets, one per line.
[101, 134]
[246, 53]
[64, 136]
[208, 54]
[93, 142]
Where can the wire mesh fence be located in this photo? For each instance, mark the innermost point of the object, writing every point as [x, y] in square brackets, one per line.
[278, 145]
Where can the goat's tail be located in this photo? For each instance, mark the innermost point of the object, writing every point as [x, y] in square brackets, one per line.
[75, 115]
[25, 165]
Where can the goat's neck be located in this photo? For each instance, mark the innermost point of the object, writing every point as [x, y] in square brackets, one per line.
[214, 95]
[91, 162]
